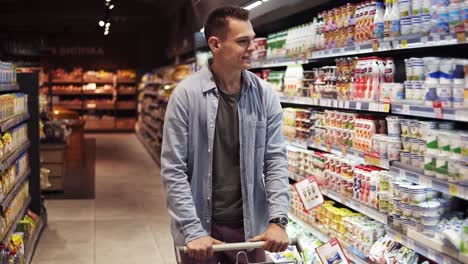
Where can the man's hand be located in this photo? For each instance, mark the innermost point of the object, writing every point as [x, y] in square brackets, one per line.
[201, 248]
[276, 239]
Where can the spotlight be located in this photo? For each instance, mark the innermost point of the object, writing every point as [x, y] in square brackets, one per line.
[108, 24]
[108, 0]
[101, 23]
[106, 33]
[111, 6]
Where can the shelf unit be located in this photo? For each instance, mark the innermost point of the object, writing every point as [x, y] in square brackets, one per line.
[403, 45]
[28, 83]
[124, 118]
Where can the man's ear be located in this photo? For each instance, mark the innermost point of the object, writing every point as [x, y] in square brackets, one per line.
[213, 43]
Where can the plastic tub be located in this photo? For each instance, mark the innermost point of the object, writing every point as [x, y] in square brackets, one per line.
[405, 129]
[415, 129]
[418, 194]
[394, 147]
[430, 208]
[430, 220]
[405, 157]
[405, 193]
[414, 145]
[393, 126]
[442, 168]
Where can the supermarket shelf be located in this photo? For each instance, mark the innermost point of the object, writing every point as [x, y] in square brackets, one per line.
[66, 82]
[9, 87]
[398, 44]
[19, 217]
[31, 245]
[64, 93]
[359, 207]
[152, 93]
[338, 104]
[418, 243]
[8, 161]
[278, 62]
[13, 121]
[454, 114]
[353, 154]
[71, 107]
[298, 143]
[417, 176]
[98, 93]
[126, 81]
[295, 177]
[13, 192]
[99, 81]
[155, 157]
[126, 93]
[321, 235]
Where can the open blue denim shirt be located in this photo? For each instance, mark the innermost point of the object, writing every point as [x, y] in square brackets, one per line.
[187, 156]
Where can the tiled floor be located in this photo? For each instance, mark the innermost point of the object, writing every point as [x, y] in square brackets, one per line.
[126, 223]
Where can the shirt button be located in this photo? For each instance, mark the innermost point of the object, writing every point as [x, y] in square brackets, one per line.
[208, 198]
[211, 125]
[208, 221]
[209, 150]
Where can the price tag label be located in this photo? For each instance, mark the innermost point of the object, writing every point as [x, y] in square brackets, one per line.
[346, 104]
[358, 105]
[405, 109]
[386, 105]
[453, 189]
[410, 243]
[328, 147]
[426, 181]
[375, 45]
[91, 105]
[404, 43]
[315, 101]
[343, 150]
[398, 238]
[438, 109]
[424, 40]
[461, 37]
[340, 104]
[335, 103]
[309, 193]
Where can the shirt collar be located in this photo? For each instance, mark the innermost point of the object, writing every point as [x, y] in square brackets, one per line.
[208, 82]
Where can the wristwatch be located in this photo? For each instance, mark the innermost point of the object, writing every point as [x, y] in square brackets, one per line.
[281, 221]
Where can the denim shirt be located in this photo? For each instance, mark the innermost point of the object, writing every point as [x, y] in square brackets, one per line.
[187, 156]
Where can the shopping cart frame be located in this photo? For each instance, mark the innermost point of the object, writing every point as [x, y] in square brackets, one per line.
[242, 246]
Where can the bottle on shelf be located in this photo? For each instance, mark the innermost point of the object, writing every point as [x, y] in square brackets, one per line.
[378, 28]
[387, 18]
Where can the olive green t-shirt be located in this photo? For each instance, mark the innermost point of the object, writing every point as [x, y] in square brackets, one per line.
[227, 194]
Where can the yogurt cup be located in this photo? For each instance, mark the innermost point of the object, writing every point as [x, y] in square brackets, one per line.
[397, 206]
[393, 126]
[414, 145]
[406, 141]
[407, 210]
[383, 202]
[454, 170]
[422, 147]
[415, 129]
[396, 222]
[443, 142]
[394, 147]
[430, 220]
[418, 90]
[419, 226]
[429, 165]
[444, 95]
[458, 95]
[405, 127]
[405, 158]
[415, 160]
[431, 69]
[446, 71]
[430, 94]
[418, 194]
[430, 208]
[432, 146]
[405, 193]
[429, 230]
[446, 125]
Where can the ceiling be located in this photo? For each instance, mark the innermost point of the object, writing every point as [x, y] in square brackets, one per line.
[146, 29]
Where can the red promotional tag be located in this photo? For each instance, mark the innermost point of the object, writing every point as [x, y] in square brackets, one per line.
[332, 252]
[309, 193]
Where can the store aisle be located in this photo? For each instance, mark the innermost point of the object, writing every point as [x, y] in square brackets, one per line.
[126, 223]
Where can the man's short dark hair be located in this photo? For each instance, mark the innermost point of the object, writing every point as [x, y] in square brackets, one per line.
[217, 21]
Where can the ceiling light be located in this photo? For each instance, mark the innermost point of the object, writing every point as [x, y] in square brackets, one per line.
[202, 30]
[111, 6]
[106, 33]
[108, 24]
[253, 5]
[108, 0]
[101, 23]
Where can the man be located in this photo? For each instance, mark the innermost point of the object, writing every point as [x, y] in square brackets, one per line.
[223, 160]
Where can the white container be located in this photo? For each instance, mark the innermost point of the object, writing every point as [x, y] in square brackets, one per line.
[416, 214]
[418, 194]
[441, 168]
[416, 24]
[444, 95]
[416, 7]
[431, 208]
[405, 130]
[431, 70]
[458, 95]
[446, 71]
[443, 143]
[406, 26]
[394, 147]
[430, 94]
[456, 146]
[415, 129]
[383, 147]
[422, 147]
[405, 193]
[406, 144]
[453, 170]
[393, 126]
[426, 24]
[429, 165]
[405, 8]
[405, 158]
[430, 220]
[406, 210]
[414, 146]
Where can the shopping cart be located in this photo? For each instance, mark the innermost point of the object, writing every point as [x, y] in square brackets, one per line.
[245, 246]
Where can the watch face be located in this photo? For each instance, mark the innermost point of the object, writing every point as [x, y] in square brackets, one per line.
[283, 221]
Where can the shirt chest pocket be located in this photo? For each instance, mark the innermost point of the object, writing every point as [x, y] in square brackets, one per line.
[258, 133]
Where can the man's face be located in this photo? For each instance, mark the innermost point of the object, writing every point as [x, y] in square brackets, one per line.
[235, 50]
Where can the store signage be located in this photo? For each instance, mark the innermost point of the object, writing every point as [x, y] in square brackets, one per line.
[77, 51]
[309, 193]
[332, 252]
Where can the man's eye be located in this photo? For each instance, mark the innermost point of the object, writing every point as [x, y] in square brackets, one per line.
[243, 41]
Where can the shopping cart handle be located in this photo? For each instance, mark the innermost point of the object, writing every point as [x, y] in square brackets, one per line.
[237, 246]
